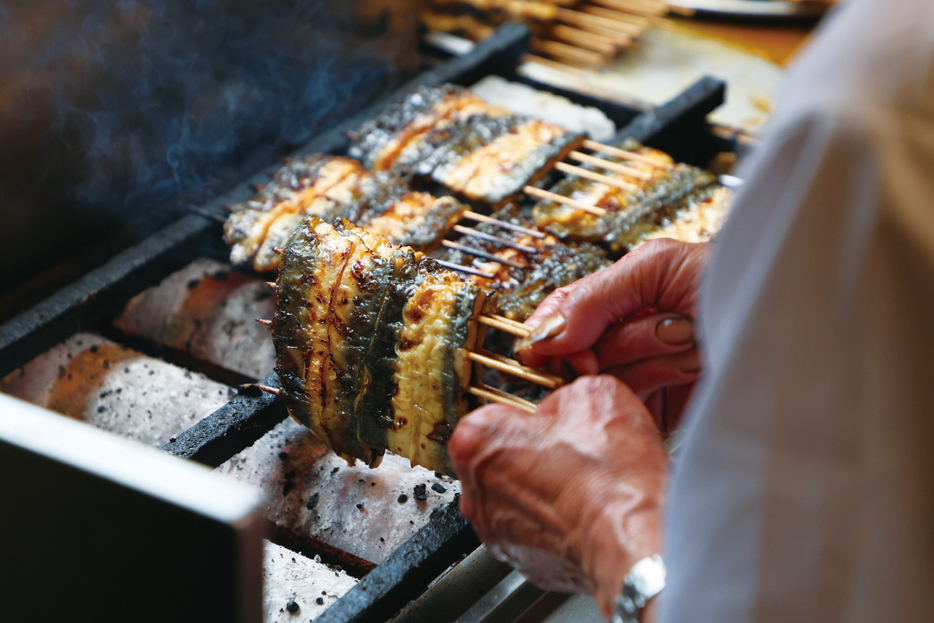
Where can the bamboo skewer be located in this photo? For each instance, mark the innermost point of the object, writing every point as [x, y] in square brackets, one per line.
[611, 166]
[473, 216]
[480, 253]
[502, 398]
[265, 321]
[497, 323]
[643, 7]
[520, 326]
[620, 39]
[622, 153]
[586, 19]
[517, 369]
[584, 39]
[614, 40]
[637, 21]
[556, 48]
[466, 269]
[490, 238]
[265, 388]
[545, 194]
[597, 177]
[547, 62]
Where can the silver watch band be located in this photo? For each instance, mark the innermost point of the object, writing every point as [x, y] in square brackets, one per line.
[644, 581]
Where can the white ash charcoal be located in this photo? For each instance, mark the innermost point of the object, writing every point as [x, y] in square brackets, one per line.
[208, 311]
[296, 588]
[90, 378]
[546, 106]
[365, 512]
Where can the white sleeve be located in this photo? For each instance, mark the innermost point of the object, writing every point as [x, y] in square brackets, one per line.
[805, 491]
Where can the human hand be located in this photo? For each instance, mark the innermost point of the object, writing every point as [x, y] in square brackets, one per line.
[633, 320]
[571, 495]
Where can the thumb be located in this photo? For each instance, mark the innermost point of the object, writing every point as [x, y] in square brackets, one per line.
[662, 274]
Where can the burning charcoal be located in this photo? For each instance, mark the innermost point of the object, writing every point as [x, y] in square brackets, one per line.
[143, 399]
[332, 487]
[288, 576]
[210, 318]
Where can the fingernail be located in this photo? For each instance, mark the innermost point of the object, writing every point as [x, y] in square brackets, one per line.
[675, 331]
[688, 362]
[551, 327]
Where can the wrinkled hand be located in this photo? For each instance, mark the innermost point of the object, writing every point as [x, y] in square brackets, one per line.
[633, 320]
[570, 495]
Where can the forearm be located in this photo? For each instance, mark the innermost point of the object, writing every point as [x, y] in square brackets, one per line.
[624, 527]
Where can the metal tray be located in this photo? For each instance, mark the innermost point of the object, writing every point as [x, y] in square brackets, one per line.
[773, 9]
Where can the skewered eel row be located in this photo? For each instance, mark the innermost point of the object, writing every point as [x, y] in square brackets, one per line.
[643, 198]
[333, 187]
[374, 339]
[448, 138]
[373, 343]
[445, 138]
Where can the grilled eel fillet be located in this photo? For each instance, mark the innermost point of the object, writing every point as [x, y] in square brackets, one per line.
[334, 188]
[448, 136]
[554, 264]
[372, 343]
[313, 185]
[634, 215]
[381, 139]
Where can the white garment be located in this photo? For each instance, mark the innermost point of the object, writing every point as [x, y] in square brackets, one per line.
[805, 490]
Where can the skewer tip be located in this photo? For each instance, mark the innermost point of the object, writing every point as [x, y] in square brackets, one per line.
[250, 388]
[265, 321]
[269, 390]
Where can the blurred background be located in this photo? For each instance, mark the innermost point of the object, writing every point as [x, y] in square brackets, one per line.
[109, 109]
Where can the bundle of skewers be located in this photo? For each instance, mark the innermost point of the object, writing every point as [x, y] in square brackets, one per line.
[449, 218]
[579, 33]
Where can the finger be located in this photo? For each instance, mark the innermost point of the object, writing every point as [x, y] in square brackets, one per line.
[644, 337]
[677, 399]
[471, 435]
[662, 274]
[542, 313]
[583, 363]
[656, 404]
[649, 375]
[554, 300]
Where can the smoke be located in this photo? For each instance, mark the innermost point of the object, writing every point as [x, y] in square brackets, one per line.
[108, 108]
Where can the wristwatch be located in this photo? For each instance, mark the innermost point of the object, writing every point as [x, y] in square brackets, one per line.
[644, 581]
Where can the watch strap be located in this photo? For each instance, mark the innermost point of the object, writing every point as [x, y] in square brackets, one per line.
[644, 581]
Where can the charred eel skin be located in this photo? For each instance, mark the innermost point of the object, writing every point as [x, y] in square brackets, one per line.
[371, 342]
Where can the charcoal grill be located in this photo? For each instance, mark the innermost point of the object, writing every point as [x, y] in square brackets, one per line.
[91, 302]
